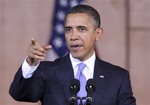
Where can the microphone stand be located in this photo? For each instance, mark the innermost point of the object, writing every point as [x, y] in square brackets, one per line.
[88, 101]
[81, 101]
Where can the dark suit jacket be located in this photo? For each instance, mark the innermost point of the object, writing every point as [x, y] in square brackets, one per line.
[50, 84]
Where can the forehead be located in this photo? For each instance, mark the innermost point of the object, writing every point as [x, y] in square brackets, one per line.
[78, 19]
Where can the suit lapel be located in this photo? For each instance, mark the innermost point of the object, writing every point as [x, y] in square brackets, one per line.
[65, 75]
[101, 77]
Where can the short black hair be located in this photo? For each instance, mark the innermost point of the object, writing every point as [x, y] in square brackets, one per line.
[88, 10]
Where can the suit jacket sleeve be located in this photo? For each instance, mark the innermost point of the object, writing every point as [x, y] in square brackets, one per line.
[29, 90]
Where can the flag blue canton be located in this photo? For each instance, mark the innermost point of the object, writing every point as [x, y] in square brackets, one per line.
[58, 38]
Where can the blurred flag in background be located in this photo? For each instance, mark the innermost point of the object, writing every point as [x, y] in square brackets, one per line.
[57, 37]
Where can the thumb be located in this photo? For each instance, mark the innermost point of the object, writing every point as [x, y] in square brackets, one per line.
[33, 41]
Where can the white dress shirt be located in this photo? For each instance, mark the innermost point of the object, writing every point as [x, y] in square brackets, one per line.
[88, 71]
[27, 70]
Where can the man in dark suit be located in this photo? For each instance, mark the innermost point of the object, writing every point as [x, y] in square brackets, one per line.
[49, 81]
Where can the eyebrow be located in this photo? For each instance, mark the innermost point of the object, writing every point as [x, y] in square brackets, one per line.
[76, 27]
[81, 27]
[66, 27]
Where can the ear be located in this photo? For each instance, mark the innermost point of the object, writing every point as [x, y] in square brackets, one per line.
[99, 32]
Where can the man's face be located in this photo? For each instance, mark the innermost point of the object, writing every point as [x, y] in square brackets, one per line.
[81, 34]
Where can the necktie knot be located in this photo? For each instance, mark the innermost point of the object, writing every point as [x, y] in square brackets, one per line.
[81, 66]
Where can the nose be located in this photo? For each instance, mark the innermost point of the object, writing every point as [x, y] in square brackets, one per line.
[74, 35]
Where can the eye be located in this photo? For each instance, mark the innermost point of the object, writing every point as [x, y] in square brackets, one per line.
[82, 29]
[68, 29]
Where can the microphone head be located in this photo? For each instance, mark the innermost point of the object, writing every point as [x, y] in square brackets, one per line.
[75, 86]
[90, 86]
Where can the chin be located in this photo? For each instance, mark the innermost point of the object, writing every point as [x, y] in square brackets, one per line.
[75, 55]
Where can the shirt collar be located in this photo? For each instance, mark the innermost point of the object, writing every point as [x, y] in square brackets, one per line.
[89, 62]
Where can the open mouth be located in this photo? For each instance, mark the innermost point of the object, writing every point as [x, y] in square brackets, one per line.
[75, 47]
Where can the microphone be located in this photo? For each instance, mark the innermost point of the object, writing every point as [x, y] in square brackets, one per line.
[74, 89]
[90, 88]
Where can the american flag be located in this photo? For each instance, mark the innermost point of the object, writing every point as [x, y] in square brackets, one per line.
[57, 39]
